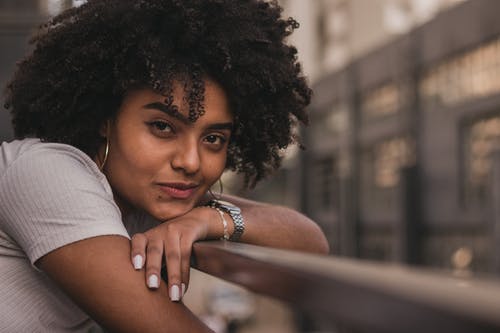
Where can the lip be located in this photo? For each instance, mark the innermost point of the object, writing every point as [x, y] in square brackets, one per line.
[178, 190]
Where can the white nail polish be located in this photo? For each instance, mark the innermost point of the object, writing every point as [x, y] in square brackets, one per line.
[183, 287]
[153, 281]
[174, 293]
[137, 261]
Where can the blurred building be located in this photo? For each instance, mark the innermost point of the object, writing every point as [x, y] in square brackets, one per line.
[402, 161]
[405, 126]
[332, 34]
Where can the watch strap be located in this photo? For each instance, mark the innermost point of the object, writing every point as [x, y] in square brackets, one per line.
[235, 213]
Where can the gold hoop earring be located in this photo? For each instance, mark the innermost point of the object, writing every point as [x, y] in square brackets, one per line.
[106, 152]
[221, 189]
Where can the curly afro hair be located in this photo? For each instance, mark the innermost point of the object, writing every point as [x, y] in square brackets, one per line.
[87, 58]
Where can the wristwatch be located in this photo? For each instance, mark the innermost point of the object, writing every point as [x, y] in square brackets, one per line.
[235, 213]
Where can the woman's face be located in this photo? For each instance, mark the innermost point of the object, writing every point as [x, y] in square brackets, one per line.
[161, 162]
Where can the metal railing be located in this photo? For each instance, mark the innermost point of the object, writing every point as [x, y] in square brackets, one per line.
[358, 294]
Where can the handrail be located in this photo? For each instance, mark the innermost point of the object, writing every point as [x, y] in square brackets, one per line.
[355, 293]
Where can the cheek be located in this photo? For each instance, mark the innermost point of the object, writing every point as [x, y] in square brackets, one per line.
[134, 157]
[214, 167]
[131, 157]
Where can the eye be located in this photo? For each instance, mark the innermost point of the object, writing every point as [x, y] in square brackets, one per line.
[216, 141]
[161, 128]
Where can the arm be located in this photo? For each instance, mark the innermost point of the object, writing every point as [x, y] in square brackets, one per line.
[96, 273]
[278, 226]
[265, 225]
[56, 206]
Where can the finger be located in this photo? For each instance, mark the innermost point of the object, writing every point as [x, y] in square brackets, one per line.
[186, 249]
[138, 250]
[173, 261]
[154, 254]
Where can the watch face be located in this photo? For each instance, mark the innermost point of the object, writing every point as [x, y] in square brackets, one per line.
[229, 206]
[225, 203]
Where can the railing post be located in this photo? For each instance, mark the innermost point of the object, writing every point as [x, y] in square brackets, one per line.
[347, 218]
[495, 203]
[406, 230]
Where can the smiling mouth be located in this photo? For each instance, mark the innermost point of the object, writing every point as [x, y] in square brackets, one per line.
[178, 190]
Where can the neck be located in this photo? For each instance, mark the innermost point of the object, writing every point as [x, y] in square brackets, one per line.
[125, 208]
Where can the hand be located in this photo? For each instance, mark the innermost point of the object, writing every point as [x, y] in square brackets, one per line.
[174, 240]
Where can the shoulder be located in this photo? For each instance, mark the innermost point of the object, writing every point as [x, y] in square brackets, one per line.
[52, 195]
[33, 150]
[29, 160]
[46, 173]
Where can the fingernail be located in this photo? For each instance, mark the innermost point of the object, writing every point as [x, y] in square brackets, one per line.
[174, 293]
[153, 281]
[183, 287]
[137, 261]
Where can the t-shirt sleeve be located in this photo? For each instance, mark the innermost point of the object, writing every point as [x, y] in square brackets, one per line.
[54, 196]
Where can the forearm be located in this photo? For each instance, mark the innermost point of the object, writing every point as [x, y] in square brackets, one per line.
[280, 227]
[265, 225]
[97, 274]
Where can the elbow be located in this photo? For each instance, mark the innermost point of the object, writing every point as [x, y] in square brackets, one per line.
[325, 249]
[318, 244]
[321, 242]
[322, 246]
[318, 247]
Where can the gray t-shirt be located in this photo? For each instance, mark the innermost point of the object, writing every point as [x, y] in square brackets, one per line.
[51, 195]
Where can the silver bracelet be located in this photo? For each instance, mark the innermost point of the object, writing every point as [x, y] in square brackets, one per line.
[235, 213]
[225, 234]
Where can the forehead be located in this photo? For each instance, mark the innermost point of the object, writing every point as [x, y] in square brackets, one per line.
[210, 100]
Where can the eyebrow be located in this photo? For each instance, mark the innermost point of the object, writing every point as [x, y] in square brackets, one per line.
[168, 110]
[177, 115]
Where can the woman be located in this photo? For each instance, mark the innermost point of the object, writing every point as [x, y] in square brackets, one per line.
[126, 113]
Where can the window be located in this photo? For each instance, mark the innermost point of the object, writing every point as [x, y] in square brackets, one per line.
[482, 139]
[324, 184]
[380, 172]
[471, 75]
[331, 125]
[382, 101]
[390, 156]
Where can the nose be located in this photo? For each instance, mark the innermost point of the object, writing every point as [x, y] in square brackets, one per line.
[186, 157]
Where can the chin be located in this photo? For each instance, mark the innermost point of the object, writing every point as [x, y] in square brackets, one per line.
[164, 214]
